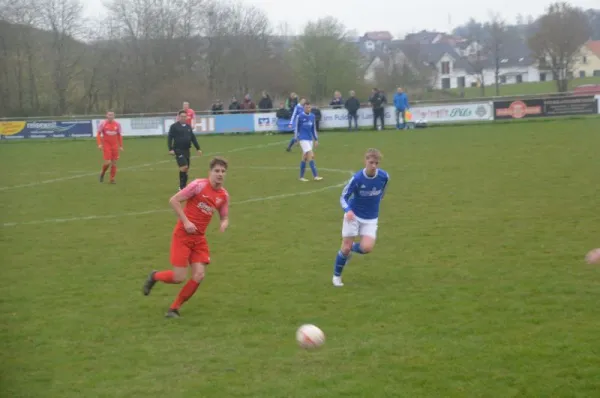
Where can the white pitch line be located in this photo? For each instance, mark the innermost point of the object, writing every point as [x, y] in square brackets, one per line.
[43, 182]
[141, 213]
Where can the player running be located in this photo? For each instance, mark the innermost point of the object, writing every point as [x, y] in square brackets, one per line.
[298, 109]
[190, 115]
[360, 200]
[181, 138]
[203, 198]
[110, 141]
[305, 133]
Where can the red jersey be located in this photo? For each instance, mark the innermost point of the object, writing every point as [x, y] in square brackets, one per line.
[109, 133]
[202, 202]
[191, 115]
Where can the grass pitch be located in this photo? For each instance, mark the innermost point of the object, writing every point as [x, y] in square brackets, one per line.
[476, 287]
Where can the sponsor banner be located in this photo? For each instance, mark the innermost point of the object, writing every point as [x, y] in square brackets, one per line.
[46, 129]
[580, 105]
[549, 107]
[453, 113]
[219, 124]
[269, 122]
[518, 109]
[138, 127]
[338, 118]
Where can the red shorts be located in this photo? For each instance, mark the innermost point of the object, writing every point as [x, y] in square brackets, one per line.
[188, 249]
[111, 152]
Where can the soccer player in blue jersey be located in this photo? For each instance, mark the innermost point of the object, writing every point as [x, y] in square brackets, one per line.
[306, 134]
[360, 200]
[298, 109]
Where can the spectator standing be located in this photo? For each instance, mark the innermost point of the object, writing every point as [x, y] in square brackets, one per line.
[352, 105]
[317, 112]
[337, 102]
[217, 107]
[291, 102]
[234, 106]
[248, 106]
[401, 105]
[377, 101]
[283, 112]
[265, 102]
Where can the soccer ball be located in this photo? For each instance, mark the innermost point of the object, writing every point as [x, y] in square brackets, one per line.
[310, 336]
[593, 257]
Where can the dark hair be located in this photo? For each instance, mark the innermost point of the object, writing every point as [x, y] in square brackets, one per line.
[182, 111]
[218, 161]
[306, 103]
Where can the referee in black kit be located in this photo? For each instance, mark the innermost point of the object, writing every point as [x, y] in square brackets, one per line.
[181, 138]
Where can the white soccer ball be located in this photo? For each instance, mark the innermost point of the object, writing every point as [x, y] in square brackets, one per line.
[310, 336]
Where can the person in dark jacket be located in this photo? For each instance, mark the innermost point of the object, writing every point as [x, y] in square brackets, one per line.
[265, 102]
[337, 102]
[234, 106]
[317, 112]
[283, 112]
[378, 101]
[217, 107]
[352, 105]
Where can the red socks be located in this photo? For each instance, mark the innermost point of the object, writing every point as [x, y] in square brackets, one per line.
[113, 171]
[186, 292]
[164, 276]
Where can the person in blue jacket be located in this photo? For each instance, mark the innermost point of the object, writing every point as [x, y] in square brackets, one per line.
[401, 105]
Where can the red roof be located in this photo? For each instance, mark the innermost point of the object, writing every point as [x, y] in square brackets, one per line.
[594, 46]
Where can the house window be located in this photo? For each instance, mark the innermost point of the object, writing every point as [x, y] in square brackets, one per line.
[584, 60]
[473, 84]
[445, 68]
[503, 79]
[581, 73]
[519, 79]
[460, 81]
[445, 83]
[597, 73]
[542, 77]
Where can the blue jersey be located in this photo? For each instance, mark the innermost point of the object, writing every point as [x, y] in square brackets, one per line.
[298, 109]
[306, 128]
[363, 194]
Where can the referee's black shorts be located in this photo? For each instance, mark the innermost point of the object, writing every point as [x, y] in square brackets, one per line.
[182, 158]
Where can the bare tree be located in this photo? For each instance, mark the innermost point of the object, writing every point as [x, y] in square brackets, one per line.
[558, 39]
[495, 44]
[63, 18]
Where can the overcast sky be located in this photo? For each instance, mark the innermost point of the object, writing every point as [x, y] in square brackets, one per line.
[395, 16]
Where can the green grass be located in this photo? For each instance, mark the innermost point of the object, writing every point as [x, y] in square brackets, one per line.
[476, 288]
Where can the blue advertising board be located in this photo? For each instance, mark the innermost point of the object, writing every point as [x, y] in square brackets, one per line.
[46, 129]
[241, 123]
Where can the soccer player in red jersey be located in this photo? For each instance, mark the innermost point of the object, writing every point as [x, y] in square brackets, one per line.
[110, 141]
[191, 115]
[203, 198]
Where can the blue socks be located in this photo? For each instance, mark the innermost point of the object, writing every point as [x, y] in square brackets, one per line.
[356, 248]
[313, 167]
[340, 262]
[291, 144]
[302, 168]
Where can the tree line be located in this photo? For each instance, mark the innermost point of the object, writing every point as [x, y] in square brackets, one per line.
[148, 56]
